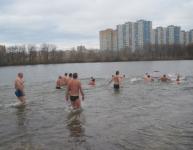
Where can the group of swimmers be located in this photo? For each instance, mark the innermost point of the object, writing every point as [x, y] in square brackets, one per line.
[63, 81]
[162, 78]
[74, 88]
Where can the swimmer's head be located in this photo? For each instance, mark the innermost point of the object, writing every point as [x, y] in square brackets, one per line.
[66, 74]
[117, 72]
[70, 74]
[75, 75]
[164, 75]
[148, 76]
[20, 74]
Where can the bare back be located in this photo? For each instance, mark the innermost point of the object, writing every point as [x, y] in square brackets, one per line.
[74, 87]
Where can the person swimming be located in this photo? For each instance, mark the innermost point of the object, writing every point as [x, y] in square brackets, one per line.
[92, 81]
[59, 83]
[74, 89]
[164, 78]
[178, 79]
[148, 77]
[117, 80]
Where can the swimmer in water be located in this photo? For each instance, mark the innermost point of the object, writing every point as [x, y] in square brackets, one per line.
[59, 83]
[116, 80]
[92, 82]
[69, 78]
[19, 87]
[164, 78]
[74, 89]
[65, 79]
[147, 77]
[178, 79]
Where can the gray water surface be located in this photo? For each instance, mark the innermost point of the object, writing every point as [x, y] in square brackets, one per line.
[144, 116]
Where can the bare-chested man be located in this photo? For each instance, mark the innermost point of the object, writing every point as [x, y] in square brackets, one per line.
[19, 87]
[164, 78]
[148, 78]
[74, 89]
[65, 79]
[69, 78]
[59, 83]
[117, 80]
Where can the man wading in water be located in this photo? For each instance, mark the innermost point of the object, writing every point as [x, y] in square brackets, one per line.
[74, 89]
[117, 80]
[19, 87]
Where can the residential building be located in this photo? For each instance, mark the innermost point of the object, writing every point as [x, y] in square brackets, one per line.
[144, 29]
[191, 36]
[106, 39]
[173, 35]
[121, 33]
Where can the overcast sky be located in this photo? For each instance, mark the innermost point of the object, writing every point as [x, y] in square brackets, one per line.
[70, 23]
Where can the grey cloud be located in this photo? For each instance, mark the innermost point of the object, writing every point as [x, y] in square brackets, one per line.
[79, 21]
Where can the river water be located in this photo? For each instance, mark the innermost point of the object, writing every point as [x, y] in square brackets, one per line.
[140, 116]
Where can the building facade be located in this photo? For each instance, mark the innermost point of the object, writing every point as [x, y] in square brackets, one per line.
[173, 35]
[139, 35]
[106, 39]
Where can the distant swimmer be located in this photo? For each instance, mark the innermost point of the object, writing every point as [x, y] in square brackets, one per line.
[116, 80]
[69, 78]
[178, 79]
[92, 81]
[74, 89]
[59, 83]
[19, 87]
[164, 78]
[148, 77]
[65, 79]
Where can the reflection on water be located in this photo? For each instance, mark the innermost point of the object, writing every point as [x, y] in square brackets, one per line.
[138, 116]
[21, 117]
[75, 123]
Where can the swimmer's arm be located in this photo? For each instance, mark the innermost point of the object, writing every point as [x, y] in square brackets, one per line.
[110, 81]
[67, 93]
[81, 92]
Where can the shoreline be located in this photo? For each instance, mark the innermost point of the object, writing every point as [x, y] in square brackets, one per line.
[80, 62]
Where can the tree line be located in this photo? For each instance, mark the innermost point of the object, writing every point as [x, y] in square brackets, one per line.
[49, 54]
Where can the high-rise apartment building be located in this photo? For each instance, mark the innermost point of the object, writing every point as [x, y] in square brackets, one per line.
[173, 35]
[130, 36]
[134, 35]
[137, 35]
[191, 36]
[160, 36]
[187, 38]
[121, 36]
[106, 39]
[182, 37]
[144, 29]
[114, 40]
[153, 36]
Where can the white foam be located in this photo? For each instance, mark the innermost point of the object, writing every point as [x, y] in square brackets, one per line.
[16, 104]
[135, 79]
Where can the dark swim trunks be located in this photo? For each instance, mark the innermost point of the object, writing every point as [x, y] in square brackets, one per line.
[58, 87]
[116, 86]
[74, 98]
[19, 93]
